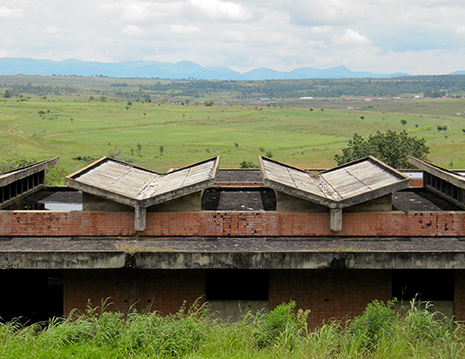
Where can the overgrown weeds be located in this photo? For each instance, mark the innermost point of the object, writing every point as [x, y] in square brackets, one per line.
[282, 333]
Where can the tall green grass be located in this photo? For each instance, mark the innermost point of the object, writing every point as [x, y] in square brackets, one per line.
[282, 333]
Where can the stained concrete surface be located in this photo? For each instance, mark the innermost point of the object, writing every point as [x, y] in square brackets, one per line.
[246, 253]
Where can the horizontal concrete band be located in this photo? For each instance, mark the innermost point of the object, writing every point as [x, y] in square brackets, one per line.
[306, 260]
[62, 260]
[236, 253]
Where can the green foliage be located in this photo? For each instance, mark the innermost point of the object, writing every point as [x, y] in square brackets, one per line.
[433, 93]
[423, 323]
[208, 103]
[282, 333]
[13, 164]
[377, 322]
[390, 147]
[281, 327]
[403, 122]
[247, 164]
[7, 94]
[55, 175]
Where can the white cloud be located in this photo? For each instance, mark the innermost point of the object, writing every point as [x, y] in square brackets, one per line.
[52, 29]
[222, 10]
[184, 29]
[460, 30]
[352, 37]
[132, 30]
[141, 11]
[326, 12]
[234, 36]
[10, 13]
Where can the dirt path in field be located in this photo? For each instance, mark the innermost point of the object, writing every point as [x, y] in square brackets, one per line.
[54, 134]
[10, 132]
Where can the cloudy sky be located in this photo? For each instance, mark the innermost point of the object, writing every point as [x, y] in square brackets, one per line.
[383, 36]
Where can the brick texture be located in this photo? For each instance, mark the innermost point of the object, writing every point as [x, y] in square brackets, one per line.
[416, 182]
[250, 224]
[330, 294]
[164, 291]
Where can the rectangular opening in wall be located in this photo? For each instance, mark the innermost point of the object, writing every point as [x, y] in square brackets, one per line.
[234, 199]
[31, 295]
[237, 284]
[425, 284]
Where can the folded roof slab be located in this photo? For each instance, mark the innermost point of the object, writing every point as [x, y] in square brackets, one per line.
[140, 188]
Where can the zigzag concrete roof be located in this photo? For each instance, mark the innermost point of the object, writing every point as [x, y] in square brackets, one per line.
[141, 188]
[134, 186]
[340, 187]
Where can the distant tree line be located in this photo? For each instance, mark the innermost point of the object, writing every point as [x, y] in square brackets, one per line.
[42, 90]
[428, 86]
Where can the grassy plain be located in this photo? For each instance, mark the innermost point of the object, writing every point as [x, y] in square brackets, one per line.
[306, 134]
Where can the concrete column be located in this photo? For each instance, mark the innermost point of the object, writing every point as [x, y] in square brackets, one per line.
[140, 218]
[335, 219]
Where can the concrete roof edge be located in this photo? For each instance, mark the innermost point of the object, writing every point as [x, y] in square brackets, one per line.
[440, 172]
[20, 173]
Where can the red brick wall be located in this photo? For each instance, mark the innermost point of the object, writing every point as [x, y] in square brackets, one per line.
[47, 223]
[338, 294]
[416, 182]
[328, 294]
[164, 291]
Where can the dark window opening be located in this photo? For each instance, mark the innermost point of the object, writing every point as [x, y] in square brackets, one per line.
[237, 284]
[425, 284]
[234, 199]
[31, 295]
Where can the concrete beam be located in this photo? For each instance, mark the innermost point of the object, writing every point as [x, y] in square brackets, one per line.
[439, 172]
[27, 171]
[62, 260]
[306, 260]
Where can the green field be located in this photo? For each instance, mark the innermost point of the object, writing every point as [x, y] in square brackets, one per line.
[306, 134]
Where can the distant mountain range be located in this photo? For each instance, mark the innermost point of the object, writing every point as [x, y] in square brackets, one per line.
[179, 70]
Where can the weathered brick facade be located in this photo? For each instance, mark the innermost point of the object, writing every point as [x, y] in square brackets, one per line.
[337, 294]
[44, 223]
[164, 291]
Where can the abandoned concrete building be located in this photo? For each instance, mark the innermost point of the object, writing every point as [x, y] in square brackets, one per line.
[332, 241]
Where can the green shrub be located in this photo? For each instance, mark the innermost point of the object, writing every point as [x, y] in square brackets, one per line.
[376, 322]
[247, 164]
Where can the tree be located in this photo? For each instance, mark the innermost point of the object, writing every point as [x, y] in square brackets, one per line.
[247, 164]
[7, 94]
[392, 148]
